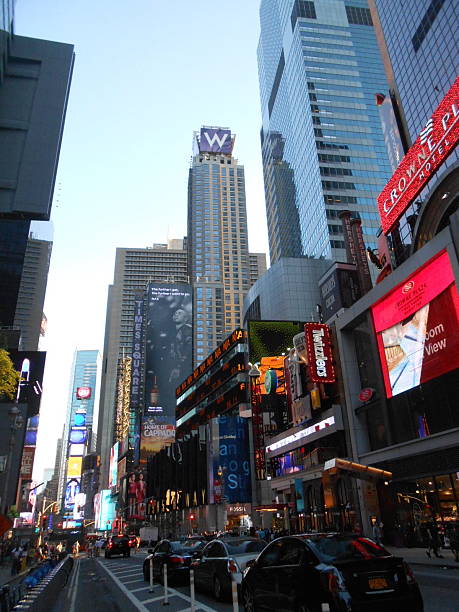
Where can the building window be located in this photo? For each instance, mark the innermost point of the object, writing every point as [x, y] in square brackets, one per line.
[302, 8]
[426, 23]
[358, 16]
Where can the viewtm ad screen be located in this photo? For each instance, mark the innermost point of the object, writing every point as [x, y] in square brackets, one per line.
[417, 327]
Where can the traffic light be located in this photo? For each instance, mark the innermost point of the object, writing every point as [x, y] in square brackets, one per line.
[44, 518]
[192, 517]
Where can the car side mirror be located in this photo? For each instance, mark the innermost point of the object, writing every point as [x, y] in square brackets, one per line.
[150, 551]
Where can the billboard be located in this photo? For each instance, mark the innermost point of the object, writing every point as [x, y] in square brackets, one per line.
[433, 145]
[77, 450]
[168, 355]
[113, 470]
[215, 140]
[72, 488]
[83, 393]
[31, 366]
[417, 327]
[78, 508]
[270, 338]
[78, 435]
[339, 288]
[230, 460]
[156, 433]
[106, 511]
[320, 356]
[136, 493]
[74, 466]
[28, 455]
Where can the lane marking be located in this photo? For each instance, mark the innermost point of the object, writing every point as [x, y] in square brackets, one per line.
[135, 602]
[140, 589]
[75, 587]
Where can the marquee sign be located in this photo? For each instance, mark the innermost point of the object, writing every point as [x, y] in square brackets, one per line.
[215, 140]
[435, 142]
[320, 357]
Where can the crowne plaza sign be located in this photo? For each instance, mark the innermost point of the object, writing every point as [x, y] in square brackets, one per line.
[433, 145]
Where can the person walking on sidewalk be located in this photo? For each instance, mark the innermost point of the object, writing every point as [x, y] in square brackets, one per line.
[453, 534]
[433, 541]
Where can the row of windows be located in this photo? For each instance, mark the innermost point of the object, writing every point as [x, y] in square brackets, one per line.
[426, 23]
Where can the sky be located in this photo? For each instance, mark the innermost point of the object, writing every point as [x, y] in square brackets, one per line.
[147, 74]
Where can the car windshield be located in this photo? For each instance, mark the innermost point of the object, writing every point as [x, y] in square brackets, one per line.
[244, 547]
[335, 548]
[186, 547]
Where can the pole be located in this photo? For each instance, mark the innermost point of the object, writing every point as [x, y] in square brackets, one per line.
[166, 595]
[234, 596]
[151, 574]
[192, 599]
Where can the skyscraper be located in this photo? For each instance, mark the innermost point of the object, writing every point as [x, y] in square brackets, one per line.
[80, 433]
[322, 143]
[134, 269]
[218, 250]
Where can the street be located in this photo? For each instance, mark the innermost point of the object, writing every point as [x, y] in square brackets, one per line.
[117, 584]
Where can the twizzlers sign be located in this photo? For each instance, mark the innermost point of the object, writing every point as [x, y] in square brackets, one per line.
[320, 356]
[435, 142]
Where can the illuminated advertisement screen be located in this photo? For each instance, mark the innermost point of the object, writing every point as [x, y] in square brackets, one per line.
[417, 327]
[78, 508]
[30, 365]
[76, 450]
[107, 510]
[97, 497]
[74, 466]
[72, 488]
[79, 419]
[168, 356]
[271, 338]
[77, 436]
[230, 459]
[83, 393]
[113, 472]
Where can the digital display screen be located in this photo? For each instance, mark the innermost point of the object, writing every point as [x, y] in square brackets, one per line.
[77, 436]
[79, 420]
[417, 327]
[271, 338]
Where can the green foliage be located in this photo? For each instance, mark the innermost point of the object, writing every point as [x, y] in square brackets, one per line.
[9, 378]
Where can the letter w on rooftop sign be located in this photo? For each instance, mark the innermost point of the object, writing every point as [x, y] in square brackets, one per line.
[436, 141]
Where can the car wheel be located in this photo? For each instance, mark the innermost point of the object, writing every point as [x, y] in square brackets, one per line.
[247, 600]
[218, 591]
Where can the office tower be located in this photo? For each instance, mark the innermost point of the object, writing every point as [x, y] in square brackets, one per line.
[218, 251]
[80, 434]
[420, 47]
[322, 144]
[134, 268]
[257, 262]
[31, 296]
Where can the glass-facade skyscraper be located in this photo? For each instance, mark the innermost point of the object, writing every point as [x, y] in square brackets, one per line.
[218, 251]
[322, 143]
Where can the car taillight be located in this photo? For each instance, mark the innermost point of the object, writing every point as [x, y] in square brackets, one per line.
[410, 579]
[232, 566]
[335, 583]
[176, 559]
[110, 545]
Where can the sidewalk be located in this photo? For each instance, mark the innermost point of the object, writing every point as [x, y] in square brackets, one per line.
[417, 556]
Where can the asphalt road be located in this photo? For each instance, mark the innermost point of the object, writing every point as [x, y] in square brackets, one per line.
[117, 585]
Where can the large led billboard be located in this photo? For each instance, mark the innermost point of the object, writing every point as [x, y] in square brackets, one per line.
[271, 338]
[156, 433]
[215, 140]
[113, 470]
[168, 354]
[106, 510]
[433, 145]
[74, 466]
[417, 327]
[31, 366]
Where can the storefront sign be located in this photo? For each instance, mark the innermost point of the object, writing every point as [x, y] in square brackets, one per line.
[320, 357]
[301, 434]
[417, 327]
[435, 142]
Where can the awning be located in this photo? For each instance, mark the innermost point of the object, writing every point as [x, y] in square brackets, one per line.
[358, 469]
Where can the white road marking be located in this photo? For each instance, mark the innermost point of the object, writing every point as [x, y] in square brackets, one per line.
[140, 589]
[75, 587]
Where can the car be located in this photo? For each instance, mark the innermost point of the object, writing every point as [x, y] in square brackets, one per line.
[222, 562]
[117, 545]
[350, 573]
[132, 541]
[176, 555]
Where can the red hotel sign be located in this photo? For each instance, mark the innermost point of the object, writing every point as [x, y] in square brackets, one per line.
[435, 142]
[320, 356]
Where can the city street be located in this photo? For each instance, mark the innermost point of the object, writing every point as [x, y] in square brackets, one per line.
[117, 584]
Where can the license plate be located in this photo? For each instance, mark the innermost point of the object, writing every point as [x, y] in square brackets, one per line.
[377, 583]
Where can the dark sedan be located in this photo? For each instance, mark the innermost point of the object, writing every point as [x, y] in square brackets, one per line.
[176, 555]
[117, 545]
[350, 573]
[223, 561]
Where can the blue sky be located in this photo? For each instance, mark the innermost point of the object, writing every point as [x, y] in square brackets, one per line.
[147, 74]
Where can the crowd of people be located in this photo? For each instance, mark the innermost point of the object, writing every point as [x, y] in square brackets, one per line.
[21, 555]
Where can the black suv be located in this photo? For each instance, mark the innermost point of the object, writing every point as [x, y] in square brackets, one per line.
[117, 545]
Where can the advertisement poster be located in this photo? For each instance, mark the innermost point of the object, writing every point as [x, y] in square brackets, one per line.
[417, 327]
[230, 459]
[136, 494]
[113, 469]
[157, 433]
[30, 365]
[215, 140]
[168, 354]
[74, 466]
[107, 510]
[72, 489]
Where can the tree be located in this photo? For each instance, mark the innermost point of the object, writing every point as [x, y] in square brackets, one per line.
[9, 378]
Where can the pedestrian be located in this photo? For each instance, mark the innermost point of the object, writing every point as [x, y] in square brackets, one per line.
[16, 555]
[137, 543]
[76, 549]
[453, 534]
[432, 541]
[376, 533]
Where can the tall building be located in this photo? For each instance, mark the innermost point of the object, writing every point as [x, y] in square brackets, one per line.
[218, 250]
[31, 297]
[134, 269]
[257, 262]
[80, 434]
[322, 143]
[420, 47]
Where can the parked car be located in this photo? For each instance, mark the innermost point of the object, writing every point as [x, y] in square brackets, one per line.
[223, 561]
[117, 545]
[176, 555]
[350, 573]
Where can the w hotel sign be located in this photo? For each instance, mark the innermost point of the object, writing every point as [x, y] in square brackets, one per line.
[435, 142]
[215, 140]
